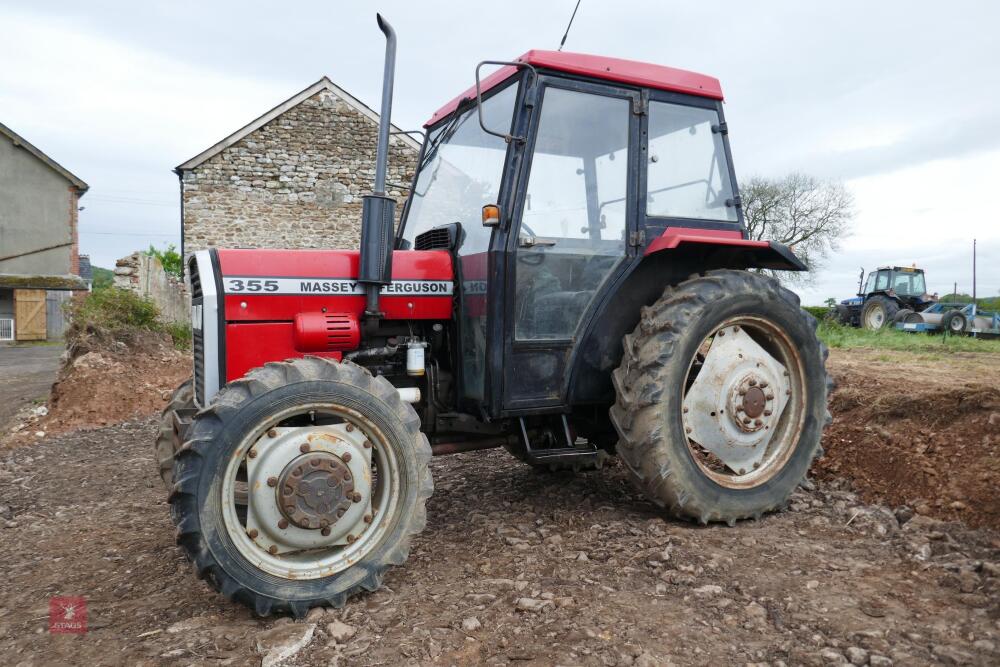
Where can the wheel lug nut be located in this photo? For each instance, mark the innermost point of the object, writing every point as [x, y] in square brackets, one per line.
[350, 427]
[767, 413]
[272, 549]
[272, 433]
[324, 532]
[368, 519]
[746, 420]
[753, 383]
[252, 533]
[687, 430]
[272, 481]
[758, 422]
[770, 397]
[357, 497]
[283, 523]
[368, 444]
[304, 447]
[763, 384]
[346, 458]
[743, 392]
[252, 453]
[351, 539]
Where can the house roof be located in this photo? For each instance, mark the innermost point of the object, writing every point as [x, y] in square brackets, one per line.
[295, 100]
[21, 142]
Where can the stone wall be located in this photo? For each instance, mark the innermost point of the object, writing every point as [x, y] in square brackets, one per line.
[295, 182]
[144, 275]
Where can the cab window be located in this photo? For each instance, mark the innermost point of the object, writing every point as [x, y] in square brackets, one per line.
[687, 170]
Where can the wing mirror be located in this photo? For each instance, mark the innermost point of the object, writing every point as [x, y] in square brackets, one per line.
[491, 215]
[506, 136]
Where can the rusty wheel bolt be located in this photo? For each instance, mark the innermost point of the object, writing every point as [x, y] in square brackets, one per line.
[346, 458]
[357, 497]
[350, 427]
[252, 453]
[272, 433]
[252, 533]
[351, 539]
[324, 523]
[304, 447]
[314, 463]
[757, 422]
[368, 444]
[722, 333]
[272, 481]
[770, 397]
[753, 383]
[368, 519]
[763, 384]
[743, 392]
[746, 420]
[324, 532]
[304, 522]
[743, 471]
[687, 430]
[272, 549]
[340, 513]
[767, 413]
[283, 523]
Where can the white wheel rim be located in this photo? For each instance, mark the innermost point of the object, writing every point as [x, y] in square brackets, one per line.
[739, 442]
[329, 554]
[875, 318]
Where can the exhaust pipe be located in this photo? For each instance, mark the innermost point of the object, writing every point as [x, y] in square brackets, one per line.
[378, 212]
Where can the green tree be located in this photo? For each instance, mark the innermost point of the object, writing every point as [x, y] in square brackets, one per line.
[169, 258]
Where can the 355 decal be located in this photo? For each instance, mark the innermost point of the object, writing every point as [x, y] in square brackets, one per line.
[251, 285]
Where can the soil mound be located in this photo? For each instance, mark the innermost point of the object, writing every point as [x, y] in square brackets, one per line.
[106, 381]
[920, 431]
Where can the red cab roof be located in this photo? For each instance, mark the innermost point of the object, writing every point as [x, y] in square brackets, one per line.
[599, 67]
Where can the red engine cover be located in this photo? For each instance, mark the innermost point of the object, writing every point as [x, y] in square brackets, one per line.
[282, 303]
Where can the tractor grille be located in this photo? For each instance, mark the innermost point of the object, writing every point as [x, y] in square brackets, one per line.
[439, 238]
[197, 332]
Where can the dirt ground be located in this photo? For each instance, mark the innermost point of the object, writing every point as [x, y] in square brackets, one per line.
[527, 568]
[918, 430]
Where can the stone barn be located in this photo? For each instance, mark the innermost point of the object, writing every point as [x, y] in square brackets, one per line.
[292, 178]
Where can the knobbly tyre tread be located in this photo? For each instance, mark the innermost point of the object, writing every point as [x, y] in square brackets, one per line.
[644, 433]
[165, 445]
[208, 425]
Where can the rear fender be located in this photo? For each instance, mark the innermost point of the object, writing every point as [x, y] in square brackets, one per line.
[725, 249]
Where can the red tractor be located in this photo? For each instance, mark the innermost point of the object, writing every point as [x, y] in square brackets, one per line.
[571, 279]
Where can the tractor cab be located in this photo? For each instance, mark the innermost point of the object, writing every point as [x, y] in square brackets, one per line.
[550, 181]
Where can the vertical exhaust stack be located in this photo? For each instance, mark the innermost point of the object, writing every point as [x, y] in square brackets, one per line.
[379, 211]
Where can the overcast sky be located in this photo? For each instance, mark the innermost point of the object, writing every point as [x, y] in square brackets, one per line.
[899, 100]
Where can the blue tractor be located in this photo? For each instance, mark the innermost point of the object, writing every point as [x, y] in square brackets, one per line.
[888, 295]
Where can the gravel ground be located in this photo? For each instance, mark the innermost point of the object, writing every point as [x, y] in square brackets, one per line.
[515, 567]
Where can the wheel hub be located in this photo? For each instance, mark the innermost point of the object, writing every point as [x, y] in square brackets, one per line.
[315, 490]
[309, 487]
[741, 378]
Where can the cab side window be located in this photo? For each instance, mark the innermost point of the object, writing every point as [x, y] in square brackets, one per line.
[687, 171]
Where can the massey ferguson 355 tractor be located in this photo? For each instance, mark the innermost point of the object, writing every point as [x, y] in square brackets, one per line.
[570, 280]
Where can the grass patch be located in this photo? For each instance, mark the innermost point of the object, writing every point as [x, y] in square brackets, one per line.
[839, 336]
[114, 314]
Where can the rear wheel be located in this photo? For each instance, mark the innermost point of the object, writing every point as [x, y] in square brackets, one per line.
[878, 311]
[168, 441]
[721, 397]
[337, 477]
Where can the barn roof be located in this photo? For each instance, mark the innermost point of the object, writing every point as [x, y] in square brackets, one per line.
[21, 142]
[295, 100]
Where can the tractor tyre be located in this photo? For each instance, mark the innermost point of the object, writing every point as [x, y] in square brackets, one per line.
[954, 322]
[167, 440]
[338, 477]
[877, 312]
[721, 397]
[901, 315]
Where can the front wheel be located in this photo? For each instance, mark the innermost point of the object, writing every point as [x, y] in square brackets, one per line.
[335, 475]
[721, 397]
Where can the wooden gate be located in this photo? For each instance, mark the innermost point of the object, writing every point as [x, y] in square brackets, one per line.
[29, 314]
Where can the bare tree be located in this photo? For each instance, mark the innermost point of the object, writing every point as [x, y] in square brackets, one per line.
[806, 214]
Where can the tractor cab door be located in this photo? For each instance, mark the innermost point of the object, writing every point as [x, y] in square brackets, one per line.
[570, 233]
